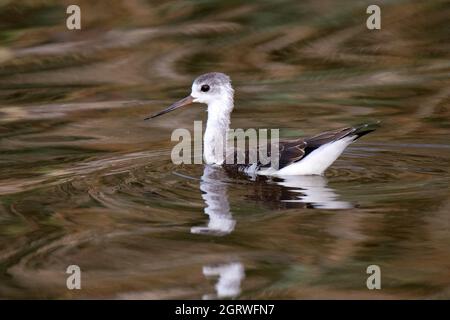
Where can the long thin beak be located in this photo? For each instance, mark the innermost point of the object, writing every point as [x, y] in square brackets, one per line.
[183, 102]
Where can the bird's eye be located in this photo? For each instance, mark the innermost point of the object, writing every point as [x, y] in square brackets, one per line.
[204, 88]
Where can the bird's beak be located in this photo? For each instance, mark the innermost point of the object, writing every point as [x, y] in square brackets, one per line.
[183, 102]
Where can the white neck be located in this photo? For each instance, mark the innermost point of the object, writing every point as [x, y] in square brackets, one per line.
[217, 127]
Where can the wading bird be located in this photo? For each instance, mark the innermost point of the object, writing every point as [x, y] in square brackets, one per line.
[303, 156]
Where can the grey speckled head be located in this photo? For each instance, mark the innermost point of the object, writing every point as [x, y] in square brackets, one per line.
[213, 89]
[215, 80]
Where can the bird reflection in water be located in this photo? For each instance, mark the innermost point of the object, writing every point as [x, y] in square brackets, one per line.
[230, 278]
[214, 193]
[313, 192]
[286, 192]
[281, 193]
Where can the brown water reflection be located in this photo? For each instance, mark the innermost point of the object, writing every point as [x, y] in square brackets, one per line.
[83, 180]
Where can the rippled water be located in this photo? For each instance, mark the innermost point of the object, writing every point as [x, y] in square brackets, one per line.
[84, 180]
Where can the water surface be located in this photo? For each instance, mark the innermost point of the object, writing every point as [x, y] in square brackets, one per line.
[84, 180]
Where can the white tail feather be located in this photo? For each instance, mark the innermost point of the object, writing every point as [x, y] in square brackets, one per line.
[319, 160]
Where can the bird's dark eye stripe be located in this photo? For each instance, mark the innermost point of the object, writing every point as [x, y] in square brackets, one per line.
[205, 88]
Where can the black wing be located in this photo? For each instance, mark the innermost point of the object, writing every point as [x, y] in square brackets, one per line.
[294, 150]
